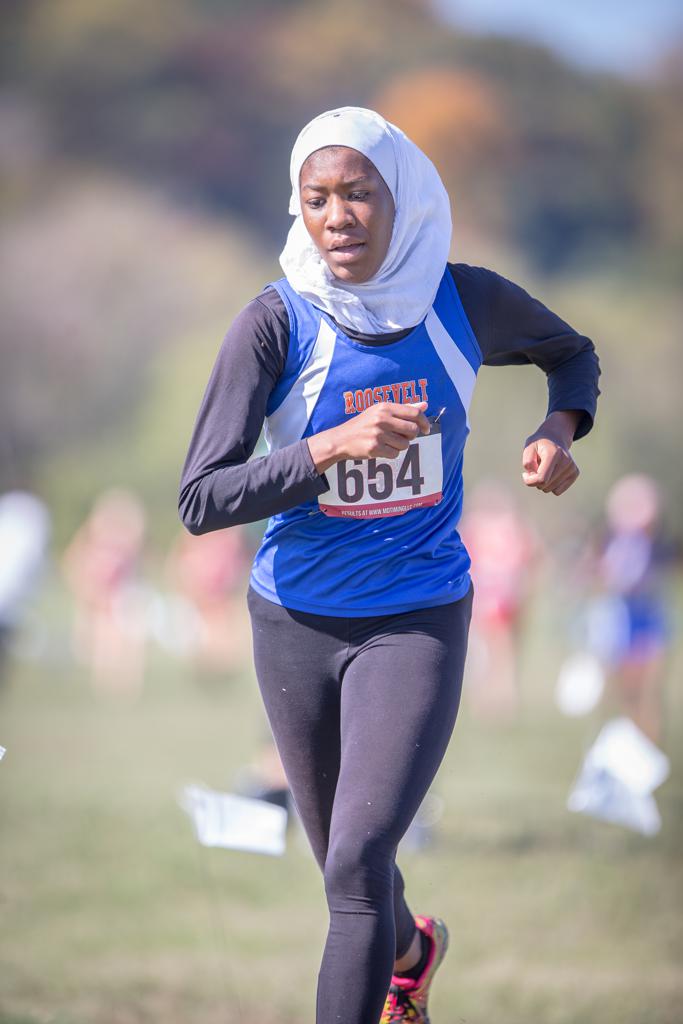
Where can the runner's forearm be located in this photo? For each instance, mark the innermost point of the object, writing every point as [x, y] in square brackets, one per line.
[513, 328]
[249, 491]
[221, 485]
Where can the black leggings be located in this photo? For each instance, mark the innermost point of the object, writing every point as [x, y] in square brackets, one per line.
[362, 710]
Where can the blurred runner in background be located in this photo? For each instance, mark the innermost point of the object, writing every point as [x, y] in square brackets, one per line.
[628, 624]
[263, 778]
[102, 566]
[504, 549]
[210, 573]
[24, 535]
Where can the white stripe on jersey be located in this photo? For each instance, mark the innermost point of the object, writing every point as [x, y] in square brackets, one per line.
[289, 421]
[455, 363]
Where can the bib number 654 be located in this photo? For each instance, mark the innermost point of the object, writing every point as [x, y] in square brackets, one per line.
[365, 488]
[379, 477]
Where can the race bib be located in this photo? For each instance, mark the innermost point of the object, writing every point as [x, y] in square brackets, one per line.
[368, 488]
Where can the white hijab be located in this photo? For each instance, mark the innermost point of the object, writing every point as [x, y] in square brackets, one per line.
[403, 289]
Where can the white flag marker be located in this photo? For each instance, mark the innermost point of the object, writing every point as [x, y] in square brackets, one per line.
[600, 795]
[618, 777]
[3, 751]
[235, 822]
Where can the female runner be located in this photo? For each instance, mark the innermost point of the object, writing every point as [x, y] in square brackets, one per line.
[361, 362]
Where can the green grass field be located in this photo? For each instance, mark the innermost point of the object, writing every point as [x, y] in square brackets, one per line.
[112, 914]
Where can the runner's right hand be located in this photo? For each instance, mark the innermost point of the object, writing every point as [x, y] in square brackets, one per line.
[382, 431]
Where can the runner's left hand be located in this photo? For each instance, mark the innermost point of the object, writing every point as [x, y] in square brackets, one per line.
[548, 466]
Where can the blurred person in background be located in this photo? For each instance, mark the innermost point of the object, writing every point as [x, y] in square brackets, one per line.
[263, 778]
[504, 549]
[24, 537]
[628, 623]
[103, 568]
[362, 361]
[208, 573]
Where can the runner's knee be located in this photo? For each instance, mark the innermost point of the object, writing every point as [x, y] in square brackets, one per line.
[358, 868]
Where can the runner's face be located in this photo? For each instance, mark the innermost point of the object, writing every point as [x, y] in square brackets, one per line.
[348, 211]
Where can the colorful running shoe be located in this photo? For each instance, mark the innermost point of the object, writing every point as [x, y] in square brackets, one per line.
[407, 998]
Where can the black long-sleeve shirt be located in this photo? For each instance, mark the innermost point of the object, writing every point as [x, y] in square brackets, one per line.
[222, 486]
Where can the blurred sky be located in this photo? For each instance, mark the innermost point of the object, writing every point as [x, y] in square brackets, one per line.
[622, 35]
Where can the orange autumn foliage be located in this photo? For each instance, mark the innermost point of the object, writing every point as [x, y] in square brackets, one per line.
[456, 117]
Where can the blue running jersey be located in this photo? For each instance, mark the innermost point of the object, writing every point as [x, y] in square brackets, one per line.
[383, 538]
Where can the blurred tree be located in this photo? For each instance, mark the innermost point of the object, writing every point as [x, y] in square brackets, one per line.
[660, 163]
[94, 281]
[460, 122]
[204, 98]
